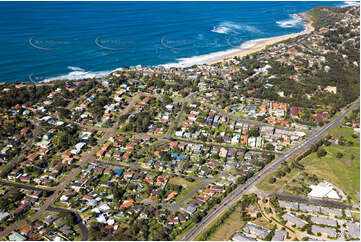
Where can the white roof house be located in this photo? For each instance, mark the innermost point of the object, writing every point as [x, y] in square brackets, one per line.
[323, 190]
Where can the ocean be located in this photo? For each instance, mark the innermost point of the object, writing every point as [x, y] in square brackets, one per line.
[42, 41]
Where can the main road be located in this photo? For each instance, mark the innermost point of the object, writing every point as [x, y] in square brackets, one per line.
[238, 192]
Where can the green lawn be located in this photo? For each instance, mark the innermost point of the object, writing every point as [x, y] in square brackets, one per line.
[105, 178]
[187, 186]
[266, 186]
[231, 225]
[343, 172]
[342, 131]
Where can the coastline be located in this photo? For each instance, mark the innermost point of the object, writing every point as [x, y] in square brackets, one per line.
[262, 43]
[60, 70]
[259, 44]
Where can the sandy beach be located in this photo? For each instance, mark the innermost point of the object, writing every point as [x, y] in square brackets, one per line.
[261, 44]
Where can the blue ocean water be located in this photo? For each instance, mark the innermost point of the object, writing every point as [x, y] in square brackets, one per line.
[43, 40]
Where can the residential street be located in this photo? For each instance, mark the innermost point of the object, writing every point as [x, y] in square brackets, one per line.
[21, 154]
[236, 194]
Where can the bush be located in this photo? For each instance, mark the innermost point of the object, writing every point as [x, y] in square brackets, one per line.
[321, 152]
[339, 155]
[273, 180]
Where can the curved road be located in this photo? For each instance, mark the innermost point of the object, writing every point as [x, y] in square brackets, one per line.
[83, 229]
[238, 192]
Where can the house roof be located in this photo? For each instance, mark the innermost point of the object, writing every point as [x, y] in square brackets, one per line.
[16, 237]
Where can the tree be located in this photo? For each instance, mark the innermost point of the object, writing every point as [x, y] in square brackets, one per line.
[269, 146]
[70, 217]
[339, 155]
[321, 152]
[273, 180]
[253, 132]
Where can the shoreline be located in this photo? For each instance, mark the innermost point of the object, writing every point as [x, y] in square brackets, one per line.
[259, 45]
[262, 43]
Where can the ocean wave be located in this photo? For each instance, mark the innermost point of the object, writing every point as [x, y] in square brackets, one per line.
[350, 3]
[293, 21]
[74, 68]
[79, 75]
[227, 27]
[203, 59]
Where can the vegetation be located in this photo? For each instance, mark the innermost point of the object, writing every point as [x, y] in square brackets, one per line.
[341, 170]
[229, 222]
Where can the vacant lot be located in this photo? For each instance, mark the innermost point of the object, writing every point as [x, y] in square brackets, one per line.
[343, 172]
[187, 186]
[231, 225]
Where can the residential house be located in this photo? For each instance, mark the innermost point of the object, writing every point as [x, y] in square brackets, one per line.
[254, 229]
[323, 220]
[242, 237]
[279, 235]
[329, 232]
[294, 220]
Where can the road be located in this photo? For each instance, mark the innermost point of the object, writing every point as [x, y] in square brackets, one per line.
[79, 222]
[245, 121]
[85, 159]
[21, 154]
[177, 205]
[105, 164]
[59, 189]
[83, 228]
[238, 192]
[222, 145]
[320, 202]
[26, 187]
[175, 125]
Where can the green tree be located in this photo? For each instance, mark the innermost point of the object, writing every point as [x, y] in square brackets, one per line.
[321, 152]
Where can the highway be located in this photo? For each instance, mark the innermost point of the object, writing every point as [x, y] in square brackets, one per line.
[238, 192]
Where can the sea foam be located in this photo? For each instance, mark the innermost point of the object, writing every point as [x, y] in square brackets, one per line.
[227, 27]
[351, 3]
[206, 58]
[79, 75]
[74, 68]
[293, 21]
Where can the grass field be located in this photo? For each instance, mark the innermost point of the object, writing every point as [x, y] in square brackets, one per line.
[343, 172]
[187, 186]
[231, 225]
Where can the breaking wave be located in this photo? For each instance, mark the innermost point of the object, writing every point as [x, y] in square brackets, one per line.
[203, 59]
[351, 3]
[79, 75]
[74, 68]
[293, 21]
[227, 27]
